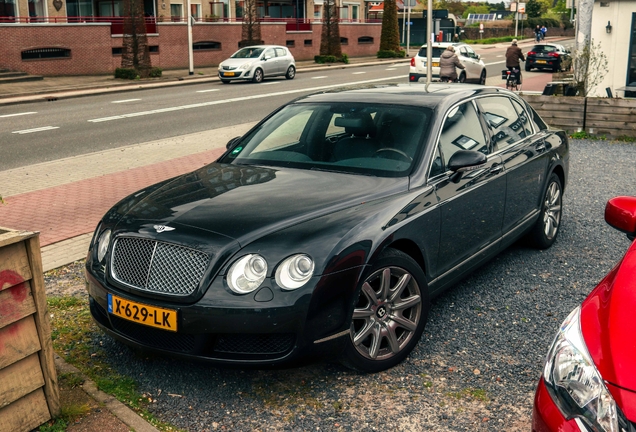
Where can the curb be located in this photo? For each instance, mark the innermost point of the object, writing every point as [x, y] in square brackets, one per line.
[116, 408]
[120, 88]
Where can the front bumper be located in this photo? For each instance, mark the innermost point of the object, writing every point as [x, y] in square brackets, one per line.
[546, 416]
[237, 74]
[225, 328]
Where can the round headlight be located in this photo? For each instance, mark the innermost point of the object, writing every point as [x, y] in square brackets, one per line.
[247, 274]
[294, 272]
[102, 246]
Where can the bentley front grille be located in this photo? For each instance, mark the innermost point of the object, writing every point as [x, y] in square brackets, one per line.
[157, 267]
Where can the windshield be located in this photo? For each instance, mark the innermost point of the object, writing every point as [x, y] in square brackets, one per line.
[437, 52]
[367, 139]
[248, 53]
[543, 48]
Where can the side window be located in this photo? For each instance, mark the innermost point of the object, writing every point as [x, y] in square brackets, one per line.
[269, 53]
[463, 51]
[502, 119]
[470, 52]
[461, 131]
[538, 121]
[436, 168]
[523, 118]
[280, 52]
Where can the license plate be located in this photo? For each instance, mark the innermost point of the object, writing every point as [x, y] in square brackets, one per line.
[152, 316]
[435, 64]
[541, 61]
[228, 74]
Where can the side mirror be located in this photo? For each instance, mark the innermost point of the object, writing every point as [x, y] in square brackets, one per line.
[478, 56]
[620, 213]
[231, 142]
[265, 58]
[465, 160]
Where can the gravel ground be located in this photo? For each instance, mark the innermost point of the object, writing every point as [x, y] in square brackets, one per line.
[479, 359]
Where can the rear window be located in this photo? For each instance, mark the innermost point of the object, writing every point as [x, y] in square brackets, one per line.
[543, 48]
[437, 52]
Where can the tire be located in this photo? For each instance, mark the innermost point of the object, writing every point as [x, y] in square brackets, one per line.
[291, 72]
[389, 315]
[462, 77]
[528, 68]
[546, 229]
[258, 75]
[482, 78]
[225, 81]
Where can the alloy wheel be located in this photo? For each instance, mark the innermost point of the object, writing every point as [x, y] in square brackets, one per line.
[387, 314]
[552, 210]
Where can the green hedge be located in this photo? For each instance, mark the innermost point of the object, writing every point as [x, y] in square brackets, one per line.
[156, 72]
[548, 22]
[125, 73]
[391, 54]
[321, 59]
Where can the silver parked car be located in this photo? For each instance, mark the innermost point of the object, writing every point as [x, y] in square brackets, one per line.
[254, 63]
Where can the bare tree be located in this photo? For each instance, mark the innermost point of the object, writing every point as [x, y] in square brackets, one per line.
[330, 38]
[251, 25]
[590, 67]
[135, 52]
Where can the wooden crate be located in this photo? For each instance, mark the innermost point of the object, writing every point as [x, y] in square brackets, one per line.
[29, 393]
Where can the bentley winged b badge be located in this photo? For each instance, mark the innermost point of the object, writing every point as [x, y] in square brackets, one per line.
[162, 228]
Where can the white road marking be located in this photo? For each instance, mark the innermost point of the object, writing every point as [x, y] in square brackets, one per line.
[207, 91]
[17, 114]
[126, 100]
[390, 69]
[319, 77]
[501, 55]
[239, 99]
[357, 73]
[270, 83]
[45, 128]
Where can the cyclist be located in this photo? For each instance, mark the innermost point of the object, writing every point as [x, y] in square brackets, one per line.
[448, 61]
[538, 34]
[513, 55]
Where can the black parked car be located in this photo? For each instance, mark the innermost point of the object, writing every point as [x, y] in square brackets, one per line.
[548, 56]
[329, 226]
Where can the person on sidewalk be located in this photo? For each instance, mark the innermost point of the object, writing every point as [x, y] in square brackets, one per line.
[544, 30]
[448, 61]
[513, 56]
[537, 34]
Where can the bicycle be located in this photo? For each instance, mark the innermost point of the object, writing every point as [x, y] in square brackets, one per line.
[513, 79]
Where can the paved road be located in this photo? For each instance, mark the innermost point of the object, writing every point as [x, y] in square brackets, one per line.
[45, 131]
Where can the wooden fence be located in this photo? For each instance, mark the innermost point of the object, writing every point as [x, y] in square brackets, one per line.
[598, 116]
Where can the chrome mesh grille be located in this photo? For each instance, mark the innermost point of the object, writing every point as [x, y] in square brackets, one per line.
[157, 267]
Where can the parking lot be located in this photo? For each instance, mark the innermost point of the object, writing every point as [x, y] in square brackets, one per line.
[476, 365]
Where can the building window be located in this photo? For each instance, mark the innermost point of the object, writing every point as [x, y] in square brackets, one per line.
[8, 10]
[344, 13]
[290, 43]
[195, 10]
[117, 51]
[153, 48]
[79, 8]
[354, 11]
[365, 40]
[206, 46]
[46, 53]
[176, 12]
[344, 41]
[308, 42]
[317, 11]
[36, 8]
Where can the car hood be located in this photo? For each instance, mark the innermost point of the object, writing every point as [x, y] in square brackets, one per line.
[607, 323]
[243, 203]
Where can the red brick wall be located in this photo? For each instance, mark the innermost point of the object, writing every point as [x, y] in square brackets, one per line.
[91, 45]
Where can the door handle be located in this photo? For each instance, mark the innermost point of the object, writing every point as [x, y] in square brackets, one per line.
[540, 148]
[496, 169]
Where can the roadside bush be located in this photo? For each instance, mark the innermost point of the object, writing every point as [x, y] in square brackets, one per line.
[125, 73]
[321, 59]
[156, 72]
[531, 23]
[391, 54]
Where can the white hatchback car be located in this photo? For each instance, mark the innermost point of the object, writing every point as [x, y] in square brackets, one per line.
[254, 63]
[475, 68]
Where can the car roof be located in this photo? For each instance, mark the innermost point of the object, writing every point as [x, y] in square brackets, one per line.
[445, 44]
[264, 46]
[414, 94]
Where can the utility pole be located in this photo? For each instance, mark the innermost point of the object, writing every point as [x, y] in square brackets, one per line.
[429, 43]
[408, 34]
[190, 55]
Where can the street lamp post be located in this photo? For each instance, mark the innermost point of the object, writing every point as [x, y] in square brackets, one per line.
[190, 55]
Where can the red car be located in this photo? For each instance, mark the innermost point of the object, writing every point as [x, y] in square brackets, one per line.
[589, 378]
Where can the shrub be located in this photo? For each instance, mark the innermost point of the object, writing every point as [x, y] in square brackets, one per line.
[126, 73]
[391, 54]
[156, 72]
[344, 58]
[321, 59]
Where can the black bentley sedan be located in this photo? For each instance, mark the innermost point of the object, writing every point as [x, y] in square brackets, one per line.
[329, 226]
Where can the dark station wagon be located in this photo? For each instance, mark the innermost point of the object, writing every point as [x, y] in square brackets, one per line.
[329, 226]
